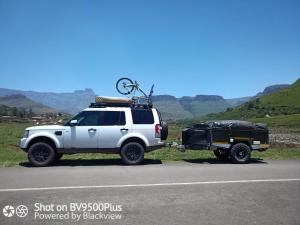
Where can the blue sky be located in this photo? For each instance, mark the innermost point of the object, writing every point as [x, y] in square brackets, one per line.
[231, 48]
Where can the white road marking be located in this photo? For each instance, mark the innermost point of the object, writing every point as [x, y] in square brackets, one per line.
[148, 185]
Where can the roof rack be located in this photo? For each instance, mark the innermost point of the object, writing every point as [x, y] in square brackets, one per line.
[102, 101]
[118, 104]
[111, 104]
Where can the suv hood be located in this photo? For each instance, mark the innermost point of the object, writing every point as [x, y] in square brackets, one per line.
[46, 127]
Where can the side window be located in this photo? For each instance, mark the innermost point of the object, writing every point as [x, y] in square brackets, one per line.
[142, 116]
[88, 119]
[112, 118]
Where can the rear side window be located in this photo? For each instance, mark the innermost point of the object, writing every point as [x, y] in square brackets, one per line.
[112, 118]
[142, 116]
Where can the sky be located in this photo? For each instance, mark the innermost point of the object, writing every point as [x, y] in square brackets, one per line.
[231, 48]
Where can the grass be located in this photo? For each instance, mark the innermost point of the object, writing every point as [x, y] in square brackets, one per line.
[286, 124]
[11, 154]
[10, 134]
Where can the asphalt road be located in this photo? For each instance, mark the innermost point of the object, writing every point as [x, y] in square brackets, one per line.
[195, 192]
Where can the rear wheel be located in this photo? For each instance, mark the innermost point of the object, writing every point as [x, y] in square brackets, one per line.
[132, 153]
[221, 153]
[240, 153]
[41, 154]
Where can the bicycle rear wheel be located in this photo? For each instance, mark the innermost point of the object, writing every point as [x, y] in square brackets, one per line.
[125, 86]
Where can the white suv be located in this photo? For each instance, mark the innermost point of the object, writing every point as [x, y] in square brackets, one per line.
[128, 131]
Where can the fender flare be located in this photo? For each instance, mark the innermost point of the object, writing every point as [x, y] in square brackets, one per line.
[133, 135]
[44, 134]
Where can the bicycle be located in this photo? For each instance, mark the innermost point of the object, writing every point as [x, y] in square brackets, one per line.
[126, 86]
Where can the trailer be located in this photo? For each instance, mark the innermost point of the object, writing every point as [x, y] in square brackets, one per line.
[229, 139]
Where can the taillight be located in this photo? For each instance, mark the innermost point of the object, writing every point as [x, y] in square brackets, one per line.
[157, 130]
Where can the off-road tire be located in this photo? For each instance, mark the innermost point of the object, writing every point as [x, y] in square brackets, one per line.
[41, 154]
[132, 153]
[164, 130]
[222, 154]
[240, 153]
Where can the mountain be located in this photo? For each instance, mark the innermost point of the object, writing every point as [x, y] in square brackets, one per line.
[271, 89]
[204, 104]
[172, 108]
[238, 101]
[21, 101]
[70, 103]
[268, 90]
[284, 102]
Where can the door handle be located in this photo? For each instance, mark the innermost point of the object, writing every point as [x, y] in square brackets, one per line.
[92, 130]
[124, 129]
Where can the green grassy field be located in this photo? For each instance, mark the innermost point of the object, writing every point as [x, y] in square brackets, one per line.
[287, 123]
[11, 154]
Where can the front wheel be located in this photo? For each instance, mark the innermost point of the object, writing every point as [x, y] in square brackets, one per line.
[125, 86]
[221, 154]
[132, 153]
[240, 153]
[41, 154]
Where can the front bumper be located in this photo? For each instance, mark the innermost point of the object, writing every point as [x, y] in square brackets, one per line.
[23, 144]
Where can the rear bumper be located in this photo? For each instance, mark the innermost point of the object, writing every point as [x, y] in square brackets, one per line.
[155, 147]
[260, 147]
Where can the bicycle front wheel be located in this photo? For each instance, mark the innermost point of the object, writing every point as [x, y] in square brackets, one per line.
[125, 86]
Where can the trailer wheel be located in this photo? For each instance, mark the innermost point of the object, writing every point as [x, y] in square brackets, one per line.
[240, 153]
[221, 153]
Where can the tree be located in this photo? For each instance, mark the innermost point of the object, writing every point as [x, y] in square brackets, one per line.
[30, 113]
[250, 105]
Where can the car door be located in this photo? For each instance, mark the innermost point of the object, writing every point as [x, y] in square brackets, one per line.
[84, 135]
[113, 127]
[143, 123]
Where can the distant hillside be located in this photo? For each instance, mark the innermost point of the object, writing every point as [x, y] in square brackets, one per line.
[172, 108]
[238, 101]
[284, 102]
[186, 107]
[20, 101]
[272, 89]
[64, 102]
[203, 104]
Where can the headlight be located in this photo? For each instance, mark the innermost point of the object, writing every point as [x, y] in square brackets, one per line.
[26, 134]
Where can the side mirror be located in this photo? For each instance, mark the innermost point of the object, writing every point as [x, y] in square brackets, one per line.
[73, 122]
